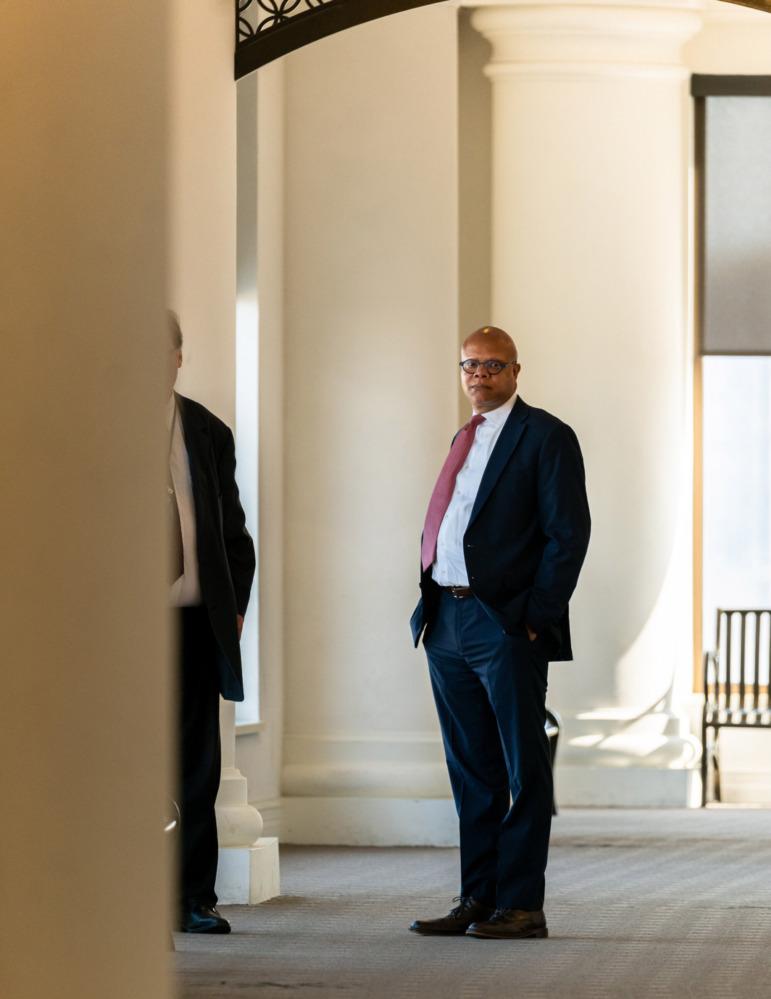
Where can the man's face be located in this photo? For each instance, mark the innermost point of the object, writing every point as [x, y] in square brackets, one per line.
[483, 390]
[173, 364]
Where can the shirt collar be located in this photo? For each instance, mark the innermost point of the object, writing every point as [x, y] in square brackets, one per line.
[495, 418]
[170, 406]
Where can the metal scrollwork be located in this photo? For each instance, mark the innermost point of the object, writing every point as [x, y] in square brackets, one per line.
[268, 29]
[265, 15]
[244, 29]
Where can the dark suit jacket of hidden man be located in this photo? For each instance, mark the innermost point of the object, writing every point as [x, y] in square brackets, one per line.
[225, 549]
[528, 533]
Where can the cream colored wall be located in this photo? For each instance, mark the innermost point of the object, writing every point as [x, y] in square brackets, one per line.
[83, 621]
[474, 181]
[733, 40]
[202, 188]
[369, 399]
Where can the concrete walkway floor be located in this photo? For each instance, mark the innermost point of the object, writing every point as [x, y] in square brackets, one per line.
[641, 904]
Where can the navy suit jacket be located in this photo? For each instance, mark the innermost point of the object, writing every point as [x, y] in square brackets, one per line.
[226, 560]
[528, 533]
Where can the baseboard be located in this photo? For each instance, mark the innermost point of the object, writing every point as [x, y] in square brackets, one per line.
[745, 787]
[626, 787]
[383, 821]
[369, 822]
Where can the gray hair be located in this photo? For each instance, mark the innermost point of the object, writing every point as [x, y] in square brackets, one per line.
[175, 330]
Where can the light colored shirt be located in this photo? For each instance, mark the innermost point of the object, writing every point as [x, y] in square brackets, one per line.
[449, 568]
[185, 591]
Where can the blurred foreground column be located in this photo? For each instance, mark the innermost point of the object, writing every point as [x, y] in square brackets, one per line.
[84, 767]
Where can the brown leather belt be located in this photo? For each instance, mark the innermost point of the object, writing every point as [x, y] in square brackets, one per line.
[459, 592]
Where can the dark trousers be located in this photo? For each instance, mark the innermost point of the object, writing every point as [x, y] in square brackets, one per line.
[490, 692]
[199, 756]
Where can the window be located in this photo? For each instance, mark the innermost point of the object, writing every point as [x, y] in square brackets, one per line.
[247, 330]
[733, 150]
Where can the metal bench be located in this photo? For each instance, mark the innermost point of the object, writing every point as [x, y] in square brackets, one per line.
[736, 685]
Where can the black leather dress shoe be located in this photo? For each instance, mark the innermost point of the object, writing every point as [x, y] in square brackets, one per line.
[511, 924]
[200, 918]
[457, 921]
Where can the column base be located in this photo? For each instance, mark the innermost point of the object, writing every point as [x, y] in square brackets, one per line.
[248, 875]
[626, 787]
[369, 821]
[239, 824]
[434, 822]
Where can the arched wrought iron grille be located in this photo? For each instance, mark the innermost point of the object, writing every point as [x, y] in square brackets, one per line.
[267, 29]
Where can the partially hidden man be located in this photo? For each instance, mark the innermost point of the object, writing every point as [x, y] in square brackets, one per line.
[212, 567]
[505, 537]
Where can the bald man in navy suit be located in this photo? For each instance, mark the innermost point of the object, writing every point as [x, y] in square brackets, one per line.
[505, 538]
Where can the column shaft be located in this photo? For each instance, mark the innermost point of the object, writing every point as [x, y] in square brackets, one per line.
[84, 647]
[590, 276]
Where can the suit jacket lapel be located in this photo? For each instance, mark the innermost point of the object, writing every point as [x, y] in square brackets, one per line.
[505, 446]
[196, 439]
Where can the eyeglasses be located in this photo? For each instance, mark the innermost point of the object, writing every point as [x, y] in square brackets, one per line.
[492, 367]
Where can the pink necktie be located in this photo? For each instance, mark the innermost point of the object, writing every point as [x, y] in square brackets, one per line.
[445, 484]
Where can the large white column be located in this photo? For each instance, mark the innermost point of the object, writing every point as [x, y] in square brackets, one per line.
[84, 645]
[590, 210]
[203, 291]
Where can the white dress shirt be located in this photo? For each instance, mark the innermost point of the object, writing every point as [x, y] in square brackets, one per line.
[449, 568]
[185, 591]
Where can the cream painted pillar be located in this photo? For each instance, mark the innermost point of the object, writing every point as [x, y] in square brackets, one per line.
[590, 216]
[203, 291]
[84, 642]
